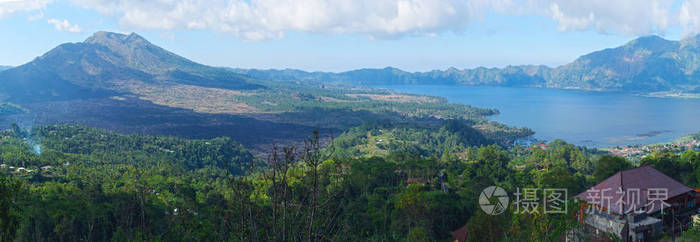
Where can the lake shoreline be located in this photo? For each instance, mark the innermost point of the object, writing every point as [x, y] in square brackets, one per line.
[591, 118]
[662, 94]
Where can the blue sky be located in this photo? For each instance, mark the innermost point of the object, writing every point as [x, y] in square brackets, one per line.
[326, 35]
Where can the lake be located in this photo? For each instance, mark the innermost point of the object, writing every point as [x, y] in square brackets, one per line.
[593, 119]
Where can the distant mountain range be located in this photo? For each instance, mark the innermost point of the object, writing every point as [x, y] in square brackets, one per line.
[96, 66]
[2, 68]
[100, 66]
[646, 64]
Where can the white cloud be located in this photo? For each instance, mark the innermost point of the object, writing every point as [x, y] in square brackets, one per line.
[65, 26]
[9, 7]
[690, 17]
[265, 19]
[627, 17]
[35, 17]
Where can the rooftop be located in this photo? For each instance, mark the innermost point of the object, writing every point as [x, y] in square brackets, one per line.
[640, 180]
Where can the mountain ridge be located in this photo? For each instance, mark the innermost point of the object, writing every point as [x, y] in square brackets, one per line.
[646, 64]
[100, 64]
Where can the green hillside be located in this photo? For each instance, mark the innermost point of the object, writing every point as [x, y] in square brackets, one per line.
[97, 66]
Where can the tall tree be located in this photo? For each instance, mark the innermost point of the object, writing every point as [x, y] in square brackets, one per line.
[609, 165]
[9, 219]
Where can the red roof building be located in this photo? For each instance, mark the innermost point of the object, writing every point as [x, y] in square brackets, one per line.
[628, 203]
[619, 190]
[460, 234]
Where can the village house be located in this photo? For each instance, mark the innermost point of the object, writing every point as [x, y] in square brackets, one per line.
[460, 235]
[538, 146]
[636, 205]
[415, 180]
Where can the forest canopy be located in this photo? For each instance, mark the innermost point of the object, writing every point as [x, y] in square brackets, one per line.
[90, 184]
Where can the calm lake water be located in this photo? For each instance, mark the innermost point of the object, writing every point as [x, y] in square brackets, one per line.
[593, 119]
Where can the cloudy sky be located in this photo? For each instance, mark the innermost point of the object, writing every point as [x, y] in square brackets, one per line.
[337, 35]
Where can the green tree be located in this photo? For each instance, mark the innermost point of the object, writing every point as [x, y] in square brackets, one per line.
[9, 217]
[561, 177]
[609, 165]
[692, 234]
[671, 164]
[485, 227]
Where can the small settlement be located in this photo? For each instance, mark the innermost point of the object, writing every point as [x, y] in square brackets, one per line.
[23, 170]
[637, 152]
